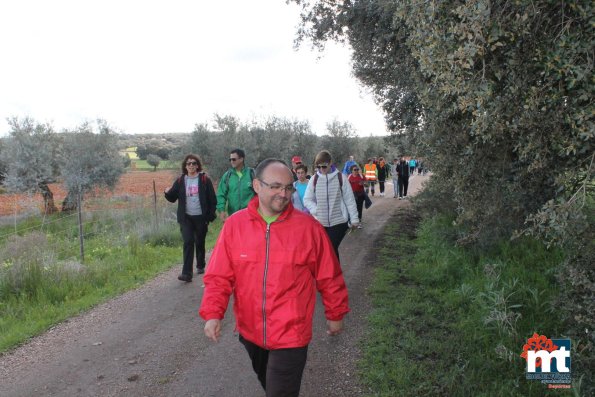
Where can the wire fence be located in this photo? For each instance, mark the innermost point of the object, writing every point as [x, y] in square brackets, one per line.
[69, 235]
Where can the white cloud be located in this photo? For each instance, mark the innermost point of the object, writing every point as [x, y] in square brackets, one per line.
[154, 66]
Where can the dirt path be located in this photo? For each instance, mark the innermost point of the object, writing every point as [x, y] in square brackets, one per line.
[149, 342]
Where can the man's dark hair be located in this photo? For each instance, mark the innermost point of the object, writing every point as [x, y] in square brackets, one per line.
[302, 167]
[265, 163]
[239, 152]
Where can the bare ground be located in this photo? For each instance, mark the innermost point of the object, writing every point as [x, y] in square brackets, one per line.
[149, 342]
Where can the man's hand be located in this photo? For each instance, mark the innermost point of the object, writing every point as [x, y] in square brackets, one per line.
[334, 327]
[223, 216]
[166, 190]
[213, 329]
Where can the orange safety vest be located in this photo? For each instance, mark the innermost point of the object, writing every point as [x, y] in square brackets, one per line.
[370, 171]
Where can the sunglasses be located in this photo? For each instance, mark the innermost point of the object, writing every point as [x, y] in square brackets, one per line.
[356, 169]
[191, 163]
[322, 166]
[233, 159]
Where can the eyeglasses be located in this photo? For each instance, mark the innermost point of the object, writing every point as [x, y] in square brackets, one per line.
[191, 163]
[278, 188]
[355, 169]
[322, 166]
[234, 159]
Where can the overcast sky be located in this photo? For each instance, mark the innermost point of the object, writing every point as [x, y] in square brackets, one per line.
[162, 66]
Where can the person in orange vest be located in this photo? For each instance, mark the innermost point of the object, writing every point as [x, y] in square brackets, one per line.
[371, 174]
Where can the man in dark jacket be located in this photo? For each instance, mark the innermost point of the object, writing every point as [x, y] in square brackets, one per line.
[403, 174]
[197, 204]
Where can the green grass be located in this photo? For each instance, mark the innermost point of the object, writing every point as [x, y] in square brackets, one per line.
[42, 282]
[163, 165]
[451, 321]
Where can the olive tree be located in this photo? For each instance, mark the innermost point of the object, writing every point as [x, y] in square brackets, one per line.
[339, 140]
[90, 160]
[154, 161]
[30, 155]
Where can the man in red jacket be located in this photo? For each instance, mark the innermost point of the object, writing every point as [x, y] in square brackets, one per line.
[273, 259]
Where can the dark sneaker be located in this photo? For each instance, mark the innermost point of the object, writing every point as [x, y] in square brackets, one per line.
[200, 270]
[185, 277]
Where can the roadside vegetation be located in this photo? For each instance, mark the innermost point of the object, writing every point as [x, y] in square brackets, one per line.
[497, 98]
[452, 321]
[42, 280]
[143, 165]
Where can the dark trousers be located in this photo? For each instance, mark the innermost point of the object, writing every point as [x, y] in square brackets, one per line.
[194, 231]
[381, 184]
[279, 371]
[359, 203]
[371, 186]
[403, 185]
[336, 234]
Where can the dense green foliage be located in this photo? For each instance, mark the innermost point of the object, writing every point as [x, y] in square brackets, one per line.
[453, 321]
[497, 96]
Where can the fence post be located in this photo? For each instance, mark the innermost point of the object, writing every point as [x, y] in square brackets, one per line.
[80, 216]
[155, 202]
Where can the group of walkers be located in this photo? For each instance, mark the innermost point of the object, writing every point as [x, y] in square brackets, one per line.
[279, 244]
[378, 170]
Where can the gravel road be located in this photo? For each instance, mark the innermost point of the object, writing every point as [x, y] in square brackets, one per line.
[150, 342]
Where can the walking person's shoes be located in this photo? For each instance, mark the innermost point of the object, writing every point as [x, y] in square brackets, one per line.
[200, 270]
[185, 277]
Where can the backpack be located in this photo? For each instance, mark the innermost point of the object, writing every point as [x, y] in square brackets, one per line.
[340, 183]
[228, 175]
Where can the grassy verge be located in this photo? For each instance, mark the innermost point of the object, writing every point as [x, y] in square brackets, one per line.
[450, 321]
[163, 165]
[42, 282]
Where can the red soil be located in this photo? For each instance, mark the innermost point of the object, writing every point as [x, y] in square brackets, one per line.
[131, 184]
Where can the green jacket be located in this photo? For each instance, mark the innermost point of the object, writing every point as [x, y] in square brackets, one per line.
[234, 193]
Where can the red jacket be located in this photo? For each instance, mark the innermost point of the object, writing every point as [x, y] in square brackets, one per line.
[356, 183]
[273, 271]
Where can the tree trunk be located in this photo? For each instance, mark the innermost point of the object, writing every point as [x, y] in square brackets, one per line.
[49, 207]
[70, 202]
